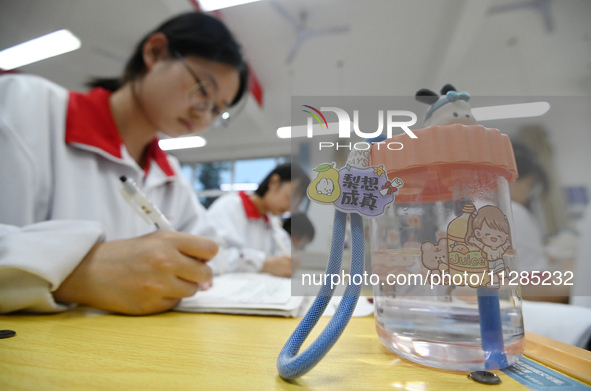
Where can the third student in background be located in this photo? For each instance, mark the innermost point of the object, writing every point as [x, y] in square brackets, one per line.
[301, 230]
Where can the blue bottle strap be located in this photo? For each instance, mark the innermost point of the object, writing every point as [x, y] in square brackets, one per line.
[292, 365]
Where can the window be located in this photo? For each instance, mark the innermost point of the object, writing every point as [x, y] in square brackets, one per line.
[211, 180]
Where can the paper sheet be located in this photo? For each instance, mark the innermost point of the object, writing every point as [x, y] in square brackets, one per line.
[258, 294]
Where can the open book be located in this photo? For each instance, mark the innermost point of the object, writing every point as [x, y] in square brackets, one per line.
[245, 293]
[257, 294]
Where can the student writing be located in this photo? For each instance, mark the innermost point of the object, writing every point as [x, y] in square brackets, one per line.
[67, 235]
[248, 225]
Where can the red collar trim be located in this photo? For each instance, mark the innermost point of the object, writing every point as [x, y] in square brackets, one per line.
[250, 208]
[160, 157]
[89, 121]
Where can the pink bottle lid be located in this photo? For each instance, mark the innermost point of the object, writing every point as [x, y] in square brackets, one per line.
[429, 164]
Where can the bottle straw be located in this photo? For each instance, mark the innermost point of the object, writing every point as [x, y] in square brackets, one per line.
[491, 329]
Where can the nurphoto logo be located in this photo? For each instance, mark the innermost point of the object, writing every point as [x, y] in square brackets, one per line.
[391, 118]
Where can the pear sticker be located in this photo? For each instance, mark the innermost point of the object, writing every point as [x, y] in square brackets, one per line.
[325, 187]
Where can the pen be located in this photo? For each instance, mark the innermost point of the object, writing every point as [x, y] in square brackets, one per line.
[281, 244]
[142, 205]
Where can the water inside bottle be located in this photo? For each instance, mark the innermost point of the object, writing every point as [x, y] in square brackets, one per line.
[438, 325]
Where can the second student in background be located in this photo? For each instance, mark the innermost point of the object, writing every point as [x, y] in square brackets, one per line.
[252, 236]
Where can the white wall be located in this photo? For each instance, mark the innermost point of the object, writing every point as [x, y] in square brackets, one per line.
[570, 136]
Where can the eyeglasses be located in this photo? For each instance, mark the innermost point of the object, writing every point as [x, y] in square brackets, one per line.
[203, 95]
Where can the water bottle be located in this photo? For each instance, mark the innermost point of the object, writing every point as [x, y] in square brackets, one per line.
[443, 250]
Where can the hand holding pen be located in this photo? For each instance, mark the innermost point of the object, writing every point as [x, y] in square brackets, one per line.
[279, 265]
[149, 212]
[142, 275]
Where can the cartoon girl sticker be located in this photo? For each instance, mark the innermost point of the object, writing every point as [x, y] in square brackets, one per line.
[488, 229]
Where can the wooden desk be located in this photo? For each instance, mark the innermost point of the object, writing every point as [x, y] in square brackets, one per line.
[84, 349]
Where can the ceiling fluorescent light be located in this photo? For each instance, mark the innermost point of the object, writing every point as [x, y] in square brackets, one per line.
[50, 45]
[182, 143]
[239, 186]
[284, 132]
[520, 110]
[212, 5]
[302, 130]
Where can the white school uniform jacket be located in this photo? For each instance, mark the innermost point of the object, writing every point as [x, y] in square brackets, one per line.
[61, 157]
[247, 237]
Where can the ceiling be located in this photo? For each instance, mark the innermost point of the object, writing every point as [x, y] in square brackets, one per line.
[384, 47]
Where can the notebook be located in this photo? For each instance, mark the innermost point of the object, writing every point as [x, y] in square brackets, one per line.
[258, 294]
[246, 293]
